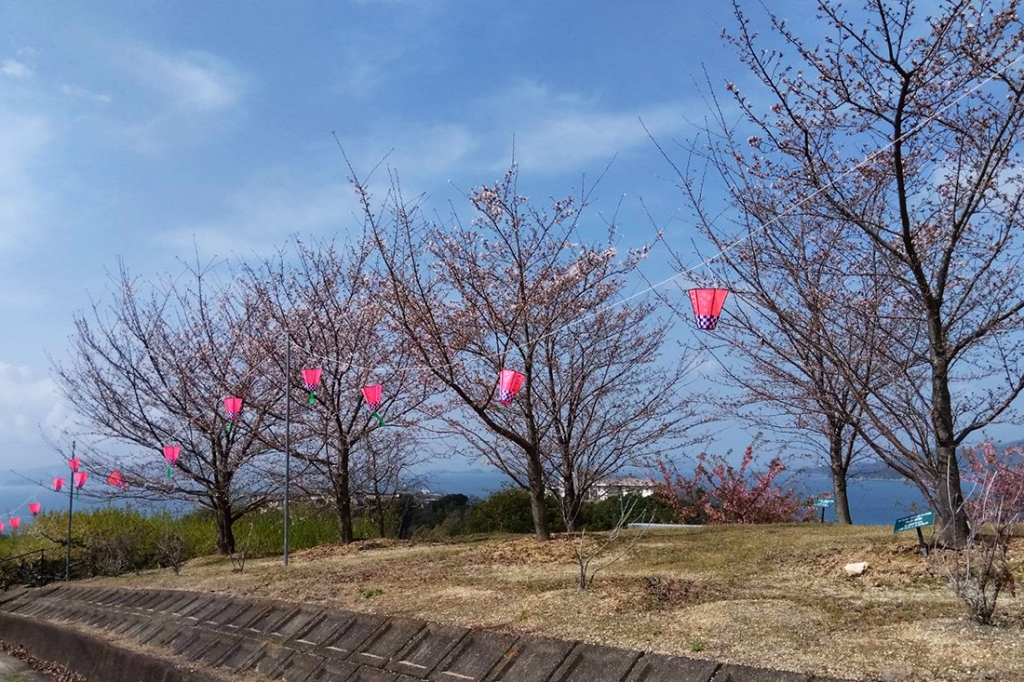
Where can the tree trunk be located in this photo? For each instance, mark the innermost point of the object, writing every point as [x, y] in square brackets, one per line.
[950, 512]
[949, 498]
[839, 468]
[225, 532]
[379, 504]
[537, 507]
[343, 498]
[570, 501]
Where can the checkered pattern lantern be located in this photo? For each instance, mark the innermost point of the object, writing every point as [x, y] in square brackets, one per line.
[311, 378]
[233, 406]
[509, 384]
[707, 306]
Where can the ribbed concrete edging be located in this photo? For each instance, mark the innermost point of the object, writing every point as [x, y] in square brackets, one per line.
[312, 643]
[90, 657]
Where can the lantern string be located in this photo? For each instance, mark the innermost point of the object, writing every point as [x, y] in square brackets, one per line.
[682, 273]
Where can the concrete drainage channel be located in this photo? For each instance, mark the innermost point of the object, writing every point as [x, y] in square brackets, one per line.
[303, 643]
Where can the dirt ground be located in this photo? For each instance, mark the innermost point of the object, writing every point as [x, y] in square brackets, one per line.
[773, 596]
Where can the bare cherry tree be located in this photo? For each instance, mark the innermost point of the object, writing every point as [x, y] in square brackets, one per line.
[613, 400]
[787, 291]
[511, 290]
[907, 129]
[321, 296]
[152, 368]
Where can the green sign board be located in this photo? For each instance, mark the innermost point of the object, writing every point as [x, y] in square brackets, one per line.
[912, 522]
[823, 503]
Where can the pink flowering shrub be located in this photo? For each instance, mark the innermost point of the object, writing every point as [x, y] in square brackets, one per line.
[721, 493]
[994, 484]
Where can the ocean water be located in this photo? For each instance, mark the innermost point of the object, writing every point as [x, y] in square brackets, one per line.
[872, 502]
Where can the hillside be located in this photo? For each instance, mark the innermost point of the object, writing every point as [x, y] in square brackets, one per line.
[772, 596]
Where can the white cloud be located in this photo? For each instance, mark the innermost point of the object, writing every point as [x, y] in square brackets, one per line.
[178, 100]
[194, 81]
[556, 132]
[28, 402]
[261, 215]
[22, 141]
[13, 69]
[82, 93]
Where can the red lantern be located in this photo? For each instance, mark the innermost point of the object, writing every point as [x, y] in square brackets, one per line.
[233, 406]
[171, 454]
[74, 463]
[58, 483]
[15, 522]
[33, 508]
[115, 479]
[373, 395]
[80, 477]
[707, 306]
[509, 384]
[311, 378]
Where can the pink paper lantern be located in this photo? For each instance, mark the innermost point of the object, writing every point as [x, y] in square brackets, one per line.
[233, 406]
[171, 453]
[509, 384]
[15, 522]
[80, 477]
[115, 479]
[33, 508]
[58, 483]
[707, 306]
[373, 395]
[311, 378]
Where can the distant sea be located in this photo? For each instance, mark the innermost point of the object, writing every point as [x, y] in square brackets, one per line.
[872, 502]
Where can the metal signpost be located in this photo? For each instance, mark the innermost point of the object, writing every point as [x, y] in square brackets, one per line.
[917, 521]
[823, 503]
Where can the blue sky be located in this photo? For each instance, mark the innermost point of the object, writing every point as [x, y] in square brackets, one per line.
[147, 130]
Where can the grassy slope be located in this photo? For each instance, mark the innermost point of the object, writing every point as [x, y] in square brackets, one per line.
[773, 596]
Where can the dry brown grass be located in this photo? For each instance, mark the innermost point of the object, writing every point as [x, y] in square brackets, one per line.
[772, 596]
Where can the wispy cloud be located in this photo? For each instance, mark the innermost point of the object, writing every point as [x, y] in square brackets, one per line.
[262, 214]
[22, 141]
[82, 93]
[195, 81]
[13, 69]
[189, 96]
[557, 131]
[28, 403]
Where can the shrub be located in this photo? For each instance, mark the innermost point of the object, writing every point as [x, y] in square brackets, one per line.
[604, 514]
[508, 511]
[721, 493]
[979, 571]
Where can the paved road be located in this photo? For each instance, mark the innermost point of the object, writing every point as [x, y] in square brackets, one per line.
[13, 670]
